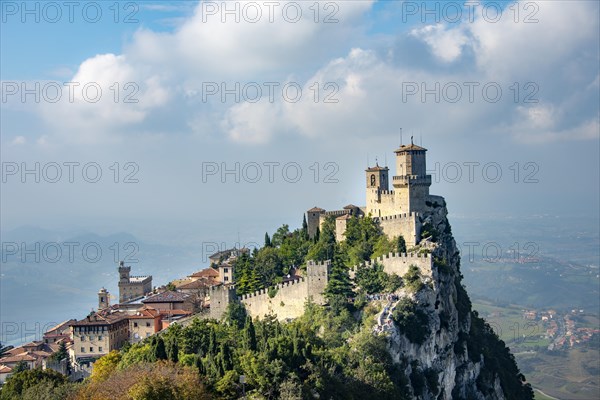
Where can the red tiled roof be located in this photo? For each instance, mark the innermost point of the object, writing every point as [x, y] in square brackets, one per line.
[316, 209]
[199, 284]
[18, 358]
[5, 369]
[205, 273]
[168, 296]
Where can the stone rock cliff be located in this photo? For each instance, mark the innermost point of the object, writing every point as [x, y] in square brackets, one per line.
[460, 357]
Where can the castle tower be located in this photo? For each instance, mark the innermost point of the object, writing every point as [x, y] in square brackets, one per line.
[411, 184]
[377, 184]
[103, 299]
[313, 220]
[317, 276]
[124, 272]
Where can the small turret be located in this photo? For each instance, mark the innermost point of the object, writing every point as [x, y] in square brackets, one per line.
[103, 299]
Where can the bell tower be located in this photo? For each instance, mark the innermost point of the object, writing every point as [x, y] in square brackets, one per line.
[377, 184]
[103, 299]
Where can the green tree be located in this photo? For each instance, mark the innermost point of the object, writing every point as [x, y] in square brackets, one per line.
[60, 355]
[304, 227]
[19, 382]
[400, 244]
[20, 367]
[267, 240]
[173, 350]
[280, 236]
[249, 334]
[4, 349]
[160, 353]
[339, 284]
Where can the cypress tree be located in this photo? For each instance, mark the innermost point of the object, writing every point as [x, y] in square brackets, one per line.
[249, 334]
[159, 349]
[304, 227]
[267, 240]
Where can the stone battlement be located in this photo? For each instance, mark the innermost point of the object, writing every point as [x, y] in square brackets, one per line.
[336, 213]
[398, 263]
[398, 216]
[279, 286]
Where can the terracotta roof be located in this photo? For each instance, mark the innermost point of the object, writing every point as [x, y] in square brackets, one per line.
[199, 284]
[61, 326]
[18, 358]
[145, 313]
[168, 296]
[219, 254]
[101, 319]
[5, 369]
[34, 343]
[175, 312]
[205, 273]
[316, 209]
[350, 207]
[409, 147]
[345, 216]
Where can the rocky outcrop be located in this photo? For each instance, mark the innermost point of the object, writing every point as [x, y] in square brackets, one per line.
[456, 359]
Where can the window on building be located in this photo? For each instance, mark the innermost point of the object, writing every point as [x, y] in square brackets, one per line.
[226, 278]
[135, 325]
[147, 324]
[91, 349]
[83, 349]
[99, 337]
[83, 338]
[100, 349]
[226, 270]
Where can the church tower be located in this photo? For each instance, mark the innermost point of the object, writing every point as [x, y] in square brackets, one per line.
[103, 299]
[377, 184]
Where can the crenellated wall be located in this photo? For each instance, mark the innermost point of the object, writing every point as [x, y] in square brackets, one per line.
[398, 263]
[407, 225]
[288, 301]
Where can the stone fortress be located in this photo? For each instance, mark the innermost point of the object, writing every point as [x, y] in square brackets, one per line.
[398, 211]
[131, 287]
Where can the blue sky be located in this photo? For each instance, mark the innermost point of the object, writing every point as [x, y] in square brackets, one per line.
[545, 123]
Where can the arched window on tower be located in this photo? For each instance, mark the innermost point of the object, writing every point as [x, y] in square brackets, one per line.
[372, 179]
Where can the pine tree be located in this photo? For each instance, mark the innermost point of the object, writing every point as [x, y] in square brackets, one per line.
[173, 351]
[401, 245]
[339, 284]
[249, 334]
[304, 227]
[159, 349]
[212, 343]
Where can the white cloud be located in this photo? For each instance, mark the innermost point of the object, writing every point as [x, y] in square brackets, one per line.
[446, 44]
[18, 141]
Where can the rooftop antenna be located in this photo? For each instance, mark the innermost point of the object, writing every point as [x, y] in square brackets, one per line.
[400, 136]
[411, 140]
[376, 162]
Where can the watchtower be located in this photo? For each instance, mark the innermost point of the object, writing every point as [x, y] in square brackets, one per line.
[411, 184]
